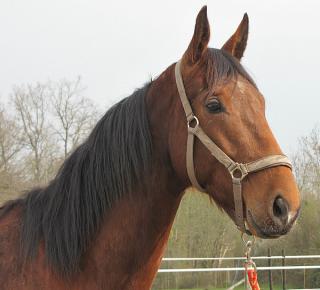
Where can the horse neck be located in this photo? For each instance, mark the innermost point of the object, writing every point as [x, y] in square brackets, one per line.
[132, 240]
[133, 237]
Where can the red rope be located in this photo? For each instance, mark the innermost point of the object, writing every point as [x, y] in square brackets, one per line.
[253, 278]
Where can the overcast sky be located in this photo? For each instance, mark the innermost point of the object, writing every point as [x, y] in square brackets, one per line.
[116, 46]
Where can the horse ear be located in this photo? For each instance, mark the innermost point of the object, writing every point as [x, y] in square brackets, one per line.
[200, 39]
[237, 43]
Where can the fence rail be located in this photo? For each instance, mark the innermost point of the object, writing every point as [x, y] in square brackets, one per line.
[243, 258]
[222, 269]
[232, 269]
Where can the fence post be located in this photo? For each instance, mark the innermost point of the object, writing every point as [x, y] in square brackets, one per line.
[270, 272]
[283, 270]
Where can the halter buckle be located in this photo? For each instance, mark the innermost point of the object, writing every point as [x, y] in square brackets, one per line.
[238, 171]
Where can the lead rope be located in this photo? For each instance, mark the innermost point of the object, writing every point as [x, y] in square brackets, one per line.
[251, 274]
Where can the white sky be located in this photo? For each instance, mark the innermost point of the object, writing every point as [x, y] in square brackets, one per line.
[116, 46]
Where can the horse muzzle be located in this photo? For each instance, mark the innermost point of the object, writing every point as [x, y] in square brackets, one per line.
[278, 222]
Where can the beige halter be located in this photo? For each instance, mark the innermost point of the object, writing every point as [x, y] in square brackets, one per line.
[238, 171]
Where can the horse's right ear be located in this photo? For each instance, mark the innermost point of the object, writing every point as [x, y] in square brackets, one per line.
[237, 43]
[200, 39]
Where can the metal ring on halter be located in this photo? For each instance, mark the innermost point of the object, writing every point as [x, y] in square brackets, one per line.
[249, 242]
[194, 118]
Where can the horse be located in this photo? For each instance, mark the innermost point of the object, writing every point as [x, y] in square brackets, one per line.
[103, 222]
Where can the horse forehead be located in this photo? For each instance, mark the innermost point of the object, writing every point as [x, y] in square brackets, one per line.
[244, 88]
[242, 85]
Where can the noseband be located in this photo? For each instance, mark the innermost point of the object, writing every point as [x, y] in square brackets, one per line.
[238, 171]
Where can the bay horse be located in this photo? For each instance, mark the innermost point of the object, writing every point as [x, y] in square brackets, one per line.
[103, 222]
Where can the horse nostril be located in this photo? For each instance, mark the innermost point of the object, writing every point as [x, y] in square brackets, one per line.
[280, 208]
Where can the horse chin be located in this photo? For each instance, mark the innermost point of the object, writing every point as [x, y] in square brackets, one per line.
[267, 231]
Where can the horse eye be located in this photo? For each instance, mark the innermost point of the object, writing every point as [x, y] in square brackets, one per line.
[214, 106]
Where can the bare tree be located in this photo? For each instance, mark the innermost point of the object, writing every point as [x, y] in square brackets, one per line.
[75, 115]
[31, 106]
[11, 146]
[307, 163]
[11, 141]
[47, 119]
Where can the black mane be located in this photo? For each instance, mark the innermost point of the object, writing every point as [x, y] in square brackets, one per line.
[109, 164]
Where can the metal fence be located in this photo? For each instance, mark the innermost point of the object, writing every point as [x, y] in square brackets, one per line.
[284, 260]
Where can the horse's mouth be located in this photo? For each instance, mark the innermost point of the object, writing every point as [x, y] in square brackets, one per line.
[269, 229]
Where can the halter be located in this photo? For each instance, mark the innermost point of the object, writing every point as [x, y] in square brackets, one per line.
[238, 171]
